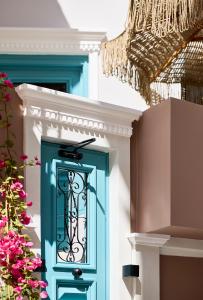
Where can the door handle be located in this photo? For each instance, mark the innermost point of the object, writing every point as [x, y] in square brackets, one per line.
[77, 272]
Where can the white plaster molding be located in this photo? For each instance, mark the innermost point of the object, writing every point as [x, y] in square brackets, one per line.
[170, 246]
[183, 247]
[49, 41]
[48, 105]
[71, 110]
[146, 253]
[148, 239]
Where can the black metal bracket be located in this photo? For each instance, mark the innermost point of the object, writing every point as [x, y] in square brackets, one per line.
[73, 152]
[131, 271]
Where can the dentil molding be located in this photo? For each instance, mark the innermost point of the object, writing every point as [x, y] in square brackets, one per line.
[49, 41]
[75, 111]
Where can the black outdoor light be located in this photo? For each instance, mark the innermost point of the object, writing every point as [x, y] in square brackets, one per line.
[71, 150]
[131, 271]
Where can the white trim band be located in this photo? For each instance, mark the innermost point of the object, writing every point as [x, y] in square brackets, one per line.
[71, 110]
[168, 245]
[148, 239]
[183, 247]
[49, 41]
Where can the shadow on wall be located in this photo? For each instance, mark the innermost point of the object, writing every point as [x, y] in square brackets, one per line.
[33, 13]
[133, 286]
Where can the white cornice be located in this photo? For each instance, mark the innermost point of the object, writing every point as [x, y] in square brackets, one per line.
[148, 239]
[75, 111]
[168, 245]
[183, 247]
[49, 41]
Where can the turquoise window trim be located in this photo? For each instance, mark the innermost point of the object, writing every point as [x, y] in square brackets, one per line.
[69, 69]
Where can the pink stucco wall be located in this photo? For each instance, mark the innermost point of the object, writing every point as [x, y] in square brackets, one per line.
[167, 170]
[181, 278]
[15, 108]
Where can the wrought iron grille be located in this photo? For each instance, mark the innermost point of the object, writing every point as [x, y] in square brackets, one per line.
[71, 216]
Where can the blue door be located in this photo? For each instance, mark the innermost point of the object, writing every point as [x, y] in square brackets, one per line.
[74, 224]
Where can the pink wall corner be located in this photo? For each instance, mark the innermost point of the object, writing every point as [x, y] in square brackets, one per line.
[187, 164]
[167, 170]
[153, 169]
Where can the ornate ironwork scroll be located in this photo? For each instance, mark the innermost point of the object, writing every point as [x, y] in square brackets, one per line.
[71, 216]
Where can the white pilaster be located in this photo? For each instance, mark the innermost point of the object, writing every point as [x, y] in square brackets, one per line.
[146, 254]
[93, 75]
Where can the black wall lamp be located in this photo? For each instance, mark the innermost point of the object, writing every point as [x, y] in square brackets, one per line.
[71, 150]
[131, 271]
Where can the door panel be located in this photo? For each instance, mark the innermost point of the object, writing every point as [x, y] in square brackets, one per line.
[73, 213]
[75, 291]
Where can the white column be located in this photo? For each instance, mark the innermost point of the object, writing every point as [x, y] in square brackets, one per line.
[146, 254]
[93, 75]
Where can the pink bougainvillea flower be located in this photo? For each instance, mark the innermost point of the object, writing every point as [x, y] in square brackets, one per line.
[7, 97]
[23, 157]
[2, 164]
[16, 273]
[21, 280]
[3, 194]
[22, 194]
[17, 266]
[37, 262]
[3, 222]
[18, 289]
[33, 283]
[17, 185]
[24, 218]
[17, 261]
[3, 75]
[11, 233]
[8, 83]
[30, 268]
[29, 244]
[43, 284]
[29, 203]
[26, 260]
[43, 294]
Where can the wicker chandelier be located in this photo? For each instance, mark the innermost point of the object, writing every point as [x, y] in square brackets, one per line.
[158, 47]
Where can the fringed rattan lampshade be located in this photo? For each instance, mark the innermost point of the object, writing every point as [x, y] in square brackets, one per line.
[187, 69]
[161, 17]
[142, 57]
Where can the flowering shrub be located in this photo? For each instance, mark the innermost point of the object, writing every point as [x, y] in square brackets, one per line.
[17, 261]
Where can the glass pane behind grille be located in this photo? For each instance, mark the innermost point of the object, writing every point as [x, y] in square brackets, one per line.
[71, 216]
[61, 87]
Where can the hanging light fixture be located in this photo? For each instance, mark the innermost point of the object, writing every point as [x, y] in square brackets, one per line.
[154, 43]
